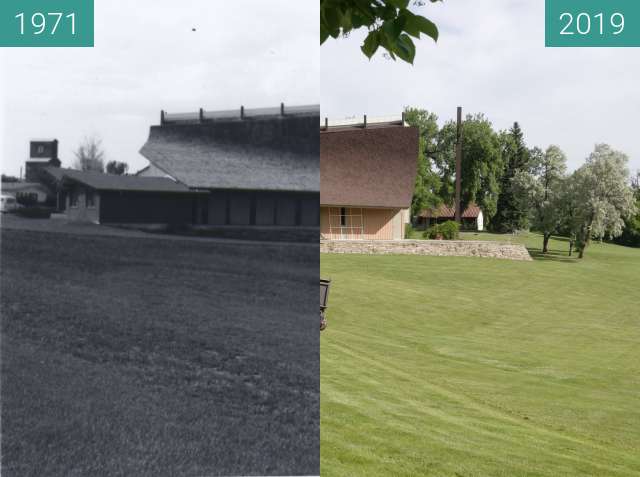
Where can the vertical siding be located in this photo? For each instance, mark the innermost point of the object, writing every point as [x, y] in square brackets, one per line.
[263, 208]
[378, 224]
[239, 209]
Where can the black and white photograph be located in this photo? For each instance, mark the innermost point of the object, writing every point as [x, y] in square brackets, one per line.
[159, 244]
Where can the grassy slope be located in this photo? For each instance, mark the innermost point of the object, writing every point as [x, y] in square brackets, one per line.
[464, 366]
[142, 356]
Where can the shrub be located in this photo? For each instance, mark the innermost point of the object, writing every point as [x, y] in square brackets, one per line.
[27, 199]
[448, 230]
[408, 230]
[34, 212]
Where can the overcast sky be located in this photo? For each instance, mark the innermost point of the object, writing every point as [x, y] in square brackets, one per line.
[147, 58]
[491, 58]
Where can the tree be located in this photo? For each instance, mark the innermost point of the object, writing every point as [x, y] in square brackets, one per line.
[540, 191]
[390, 24]
[117, 168]
[605, 198]
[481, 163]
[631, 232]
[427, 186]
[6, 178]
[512, 215]
[89, 155]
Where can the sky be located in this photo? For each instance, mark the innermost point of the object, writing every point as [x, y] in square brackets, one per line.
[491, 58]
[147, 58]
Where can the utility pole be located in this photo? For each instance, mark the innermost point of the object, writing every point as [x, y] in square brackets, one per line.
[458, 214]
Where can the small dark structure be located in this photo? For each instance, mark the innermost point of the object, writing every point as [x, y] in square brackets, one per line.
[42, 153]
[258, 166]
[324, 297]
[104, 198]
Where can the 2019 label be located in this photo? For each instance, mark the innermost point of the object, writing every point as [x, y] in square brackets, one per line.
[592, 23]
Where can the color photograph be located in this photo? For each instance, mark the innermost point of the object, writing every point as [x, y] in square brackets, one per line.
[480, 225]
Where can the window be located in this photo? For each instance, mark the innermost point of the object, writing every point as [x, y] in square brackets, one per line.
[343, 216]
[89, 199]
[73, 198]
[40, 149]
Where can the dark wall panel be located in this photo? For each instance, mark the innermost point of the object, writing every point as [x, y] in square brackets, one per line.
[240, 208]
[310, 211]
[286, 213]
[265, 209]
[218, 208]
[148, 207]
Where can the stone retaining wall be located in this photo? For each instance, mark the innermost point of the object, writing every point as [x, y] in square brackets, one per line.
[439, 248]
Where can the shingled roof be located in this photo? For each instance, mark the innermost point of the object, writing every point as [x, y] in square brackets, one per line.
[445, 211]
[268, 150]
[368, 167]
[100, 181]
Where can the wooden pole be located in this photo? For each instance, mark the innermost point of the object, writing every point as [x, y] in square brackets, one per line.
[458, 214]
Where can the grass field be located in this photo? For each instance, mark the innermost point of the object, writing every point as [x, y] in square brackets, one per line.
[446, 366]
[157, 356]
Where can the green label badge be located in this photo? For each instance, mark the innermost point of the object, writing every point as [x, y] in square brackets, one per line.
[592, 23]
[46, 23]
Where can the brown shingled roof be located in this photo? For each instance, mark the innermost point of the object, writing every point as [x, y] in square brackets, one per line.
[471, 212]
[368, 167]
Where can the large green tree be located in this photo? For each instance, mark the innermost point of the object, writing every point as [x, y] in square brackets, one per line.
[540, 191]
[481, 163]
[512, 215]
[390, 23]
[604, 196]
[426, 192]
[631, 232]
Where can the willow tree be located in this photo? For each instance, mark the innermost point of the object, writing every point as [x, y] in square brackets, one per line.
[540, 191]
[604, 196]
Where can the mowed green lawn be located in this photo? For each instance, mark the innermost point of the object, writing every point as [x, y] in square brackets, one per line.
[452, 366]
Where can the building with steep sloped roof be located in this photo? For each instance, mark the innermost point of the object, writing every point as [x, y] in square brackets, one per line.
[258, 166]
[368, 171]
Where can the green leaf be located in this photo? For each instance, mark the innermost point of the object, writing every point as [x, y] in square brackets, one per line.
[400, 4]
[410, 24]
[371, 43]
[405, 49]
[346, 21]
[331, 17]
[324, 34]
[426, 26]
[393, 28]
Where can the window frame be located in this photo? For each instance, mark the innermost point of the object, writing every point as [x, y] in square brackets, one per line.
[343, 216]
